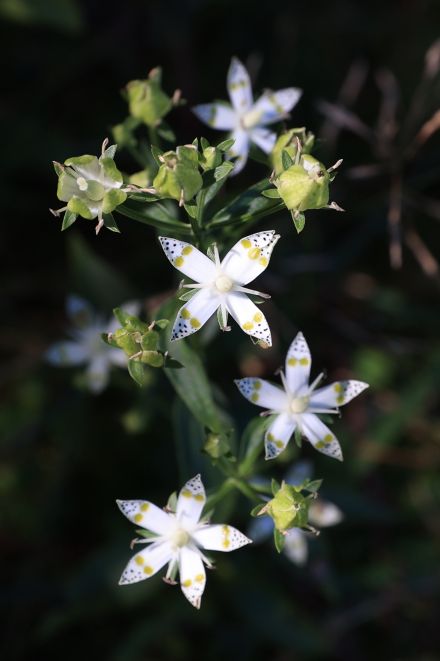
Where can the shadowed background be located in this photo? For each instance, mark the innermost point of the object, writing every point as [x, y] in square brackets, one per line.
[371, 584]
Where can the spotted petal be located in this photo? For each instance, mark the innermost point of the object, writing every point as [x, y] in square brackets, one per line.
[295, 546]
[146, 515]
[239, 86]
[192, 575]
[262, 393]
[195, 313]
[146, 563]
[275, 106]
[187, 259]
[191, 500]
[264, 138]
[336, 394]
[220, 538]
[250, 256]
[278, 434]
[217, 115]
[248, 316]
[298, 363]
[67, 353]
[239, 150]
[320, 436]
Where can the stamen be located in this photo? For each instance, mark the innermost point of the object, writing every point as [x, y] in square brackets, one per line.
[245, 290]
[332, 411]
[283, 379]
[216, 255]
[316, 382]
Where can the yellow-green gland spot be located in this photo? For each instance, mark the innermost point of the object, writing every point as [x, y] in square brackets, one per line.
[138, 518]
[199, 578]
[148, 570]
[195, 323]
[254, 253]
[187, 250]
[255, 397]
[292, 362]
[328, 438]
[337, 387]
[179, 261]
[246, 243]
[139, 560]
[186, 314]
[248, 325]
[257, 385]
[187, 583]
[223, 284]
[258, 317]
[145, 507]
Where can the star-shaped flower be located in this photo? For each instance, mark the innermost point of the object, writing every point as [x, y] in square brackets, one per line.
[86, 346]
[245, 119]
[178, 539]
[296, 405]
[221, 284]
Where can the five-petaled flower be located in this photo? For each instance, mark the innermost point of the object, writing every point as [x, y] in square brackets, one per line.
[221, 284]
[245, 119]
[178, 540]
[295, 406]
[87, 346]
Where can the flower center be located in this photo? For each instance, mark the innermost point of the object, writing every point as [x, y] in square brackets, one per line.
[250, 119]
[180, 537]
[223, 284]
[299, 404]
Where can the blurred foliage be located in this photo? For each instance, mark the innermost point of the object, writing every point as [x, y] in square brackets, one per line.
[371, 587]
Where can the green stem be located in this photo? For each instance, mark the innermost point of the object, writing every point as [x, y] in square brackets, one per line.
[182, 229]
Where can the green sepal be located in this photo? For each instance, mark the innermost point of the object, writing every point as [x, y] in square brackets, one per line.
[171, 363]
[216, 446]
[298, 437]
[279, 540]
[152, 358]
[191, 209]
[299, 220]
[129, 322]
[156, 152]
[226, 145]
[312, 486]
[256, 511]
[172, 502]
[138, 372]
[162, 323]
[110, 169]
[68, 219]
[204, 144]
[275, 486]
[271, 193]
[112, 199]
[58, 168]
[188, 293]
[223, 170]
[109, 339]
[110, 223]
[86, 159]
[150, 341]
[109, 152]
[286, 159]
[77, 206]
[126, 341]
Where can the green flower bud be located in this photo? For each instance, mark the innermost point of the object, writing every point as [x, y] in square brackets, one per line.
[152, 358]
[210, 158]
[91, 186]
[304, 186]
[289, 142]
[288, 509]
[216, 446]
[126, 341]
[146, 99]
[178, 176]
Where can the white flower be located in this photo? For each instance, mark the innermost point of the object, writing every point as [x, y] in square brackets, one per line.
[220, 284]
[178, 539]
[322, 514]
[245, 119]
[296, 404]
[86, 346]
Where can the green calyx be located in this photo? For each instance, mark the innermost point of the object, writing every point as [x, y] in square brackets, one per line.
[288, 142]
[288, 509]
[146, 99]
[178, 176]
[304, 185]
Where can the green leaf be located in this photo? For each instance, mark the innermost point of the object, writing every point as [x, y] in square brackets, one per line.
[204, 144]
[188, 293]
[223, 170]
[249, 205]
[313, 486]
[298, 437]
[286, 159]
[279, 540]
[299, 220]
[226, 145]
[62, 15]
[251, 444]
[191, 209]
[156, 152]
[275, 486]
[68, 220]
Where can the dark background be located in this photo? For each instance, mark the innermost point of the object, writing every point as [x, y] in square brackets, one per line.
[371, 585]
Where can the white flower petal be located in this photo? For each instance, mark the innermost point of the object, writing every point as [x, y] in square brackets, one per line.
[336, 394]
[220, 538]
[278, 434]
[262, 393]
[146, 515]
[192, 575]
[217, 115]
[264, 138]
[239, 86]
[67, 353]
[97, 373]
[188, 259]
[194, 313]
[79, 311]
[274, 106]
[239, 150]
[322, 513]
[320, 436]
[248, 316]
[249, 257]
[146, 563]
[298, 363]
[295, 546]
[191, 501]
